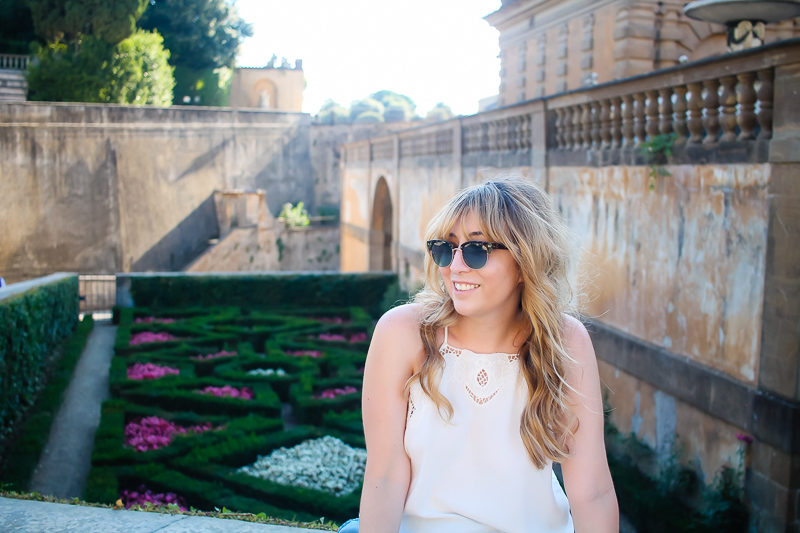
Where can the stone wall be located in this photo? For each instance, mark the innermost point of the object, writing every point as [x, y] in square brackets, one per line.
[103, 188]
[690, 278]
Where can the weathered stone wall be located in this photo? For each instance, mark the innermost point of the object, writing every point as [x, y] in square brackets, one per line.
[690, 279]
[104, 188]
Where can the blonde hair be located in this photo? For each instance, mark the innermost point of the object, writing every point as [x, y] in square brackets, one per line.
[519, 215]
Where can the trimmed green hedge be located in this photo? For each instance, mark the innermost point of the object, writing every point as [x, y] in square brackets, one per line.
[25, 454]
[263, 291]
[31, 324]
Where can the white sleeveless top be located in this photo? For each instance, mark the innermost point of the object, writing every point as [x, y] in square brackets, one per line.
[473, 474]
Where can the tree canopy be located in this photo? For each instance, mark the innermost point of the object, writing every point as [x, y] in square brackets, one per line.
[439, 112]
[67, 20]
[16, 27]
[200, 34]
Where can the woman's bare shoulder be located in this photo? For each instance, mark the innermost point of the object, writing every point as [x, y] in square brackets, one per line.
[397, 331]
[577, 340]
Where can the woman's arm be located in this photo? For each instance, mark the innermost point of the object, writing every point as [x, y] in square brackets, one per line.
[587, 479]
[395, 349]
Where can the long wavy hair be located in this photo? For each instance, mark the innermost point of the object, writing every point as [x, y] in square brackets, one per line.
[519, 215]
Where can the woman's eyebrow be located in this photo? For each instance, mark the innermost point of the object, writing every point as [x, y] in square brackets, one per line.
[470, 234]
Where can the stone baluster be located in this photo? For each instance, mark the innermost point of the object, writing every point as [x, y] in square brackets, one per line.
[597, 138]
[559, 136]
[516, 137]
[765, 96]
[728, 101]
[484, 145]
[586, 126]
[665, 111]
[746, 98]
[577, 128]
[641, 117]
[695, 113]
[652, 113]
[627, 121]
[605, 124]
[616, 122]
[679, 114]
[711, 106]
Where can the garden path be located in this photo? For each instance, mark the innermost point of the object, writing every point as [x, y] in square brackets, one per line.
[66, 459]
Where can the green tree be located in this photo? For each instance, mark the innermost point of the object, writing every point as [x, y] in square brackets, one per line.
[439, 112]
[397, 107]
[133, 71]
[203, 37]
[366, 105]
[200, 34]
[332, 113]
[369, 117]
[68, 20]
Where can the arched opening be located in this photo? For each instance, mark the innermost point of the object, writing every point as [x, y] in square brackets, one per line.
[264, 95]
[380, 242]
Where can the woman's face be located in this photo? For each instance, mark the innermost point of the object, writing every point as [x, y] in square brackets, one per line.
[492, 291]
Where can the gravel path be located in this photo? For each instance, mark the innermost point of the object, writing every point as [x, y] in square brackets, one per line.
[66, 459]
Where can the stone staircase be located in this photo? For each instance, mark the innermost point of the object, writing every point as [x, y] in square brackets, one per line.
[13, 87]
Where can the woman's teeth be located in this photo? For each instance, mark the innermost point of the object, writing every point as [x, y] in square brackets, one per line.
[465, 286]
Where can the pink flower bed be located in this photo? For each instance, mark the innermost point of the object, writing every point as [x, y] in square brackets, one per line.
[152, 433]
[154, 320]
[329, 394]
[355, 337]
[144, 497]
[141, 371]
[205, 357]
[307, 353]
[245, 393]
[145, 337]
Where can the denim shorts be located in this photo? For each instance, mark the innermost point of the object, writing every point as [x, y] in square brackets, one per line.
[351, 526]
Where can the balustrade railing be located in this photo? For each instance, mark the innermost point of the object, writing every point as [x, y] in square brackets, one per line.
[737, 107]
[13, 62]
[720, 108]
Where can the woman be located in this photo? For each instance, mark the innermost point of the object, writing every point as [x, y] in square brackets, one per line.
[475, 389]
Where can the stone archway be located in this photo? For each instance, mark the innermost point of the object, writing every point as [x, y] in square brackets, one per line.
[264, 94]
[380, 241]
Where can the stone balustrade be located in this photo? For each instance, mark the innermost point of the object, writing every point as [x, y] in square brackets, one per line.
[719, 109]
[14, 62]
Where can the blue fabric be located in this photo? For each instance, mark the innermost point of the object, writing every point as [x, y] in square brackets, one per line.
[351, 526]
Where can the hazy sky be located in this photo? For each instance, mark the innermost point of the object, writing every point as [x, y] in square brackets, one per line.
[431, 50]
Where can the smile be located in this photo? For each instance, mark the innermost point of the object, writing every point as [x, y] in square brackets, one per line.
[465, 286]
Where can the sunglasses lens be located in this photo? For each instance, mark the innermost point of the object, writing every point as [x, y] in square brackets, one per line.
[475, 255]
[442, 253]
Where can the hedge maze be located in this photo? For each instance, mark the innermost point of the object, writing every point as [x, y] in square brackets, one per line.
[199, 393]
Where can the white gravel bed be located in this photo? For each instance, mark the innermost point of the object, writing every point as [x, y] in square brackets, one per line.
[325, 464]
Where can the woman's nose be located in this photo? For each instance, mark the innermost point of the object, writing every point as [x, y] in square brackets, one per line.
[458, 263]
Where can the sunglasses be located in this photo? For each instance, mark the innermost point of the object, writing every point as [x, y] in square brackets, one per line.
[474, 253]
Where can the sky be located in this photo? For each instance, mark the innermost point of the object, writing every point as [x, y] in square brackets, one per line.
[431, 50]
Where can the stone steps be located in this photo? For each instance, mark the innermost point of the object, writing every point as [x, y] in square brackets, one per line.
[13, 87]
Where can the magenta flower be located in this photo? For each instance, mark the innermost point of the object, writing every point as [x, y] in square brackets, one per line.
[205, 357]
[141, 371]
[245, 393]
[300, 353]
[358, 337]
[154, 320]
[144, 496]
[149, 336]
[747, 439]
[329, 394]
[152, 433]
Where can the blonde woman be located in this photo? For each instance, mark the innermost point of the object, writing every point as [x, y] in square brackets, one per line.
[475, 389]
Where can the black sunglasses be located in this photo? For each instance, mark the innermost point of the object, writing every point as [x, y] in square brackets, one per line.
[474, 253]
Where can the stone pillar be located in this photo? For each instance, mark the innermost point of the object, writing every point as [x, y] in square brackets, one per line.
[773, 482]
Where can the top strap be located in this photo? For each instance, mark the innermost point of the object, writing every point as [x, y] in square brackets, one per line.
[445, 334]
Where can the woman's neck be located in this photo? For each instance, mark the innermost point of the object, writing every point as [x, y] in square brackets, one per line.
[503, 335]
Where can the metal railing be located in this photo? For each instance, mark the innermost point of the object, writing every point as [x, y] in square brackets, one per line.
[98, 292]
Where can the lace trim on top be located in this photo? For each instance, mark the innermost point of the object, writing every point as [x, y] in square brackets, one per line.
[483, 376]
